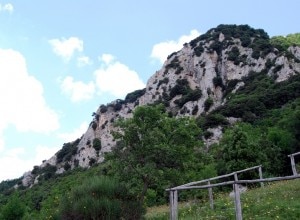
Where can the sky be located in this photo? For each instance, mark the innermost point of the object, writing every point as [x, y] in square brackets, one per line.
[60, 60]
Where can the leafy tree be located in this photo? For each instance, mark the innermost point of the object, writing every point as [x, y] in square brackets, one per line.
[154, 151]
[245, 146]
[13, 210]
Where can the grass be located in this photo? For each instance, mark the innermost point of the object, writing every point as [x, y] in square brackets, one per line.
[280, 200]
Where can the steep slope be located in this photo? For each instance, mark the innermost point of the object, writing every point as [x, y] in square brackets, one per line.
[192, 82]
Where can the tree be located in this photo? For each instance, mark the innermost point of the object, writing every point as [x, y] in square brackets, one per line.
[154, 151]
[245, 146]
[13, 210]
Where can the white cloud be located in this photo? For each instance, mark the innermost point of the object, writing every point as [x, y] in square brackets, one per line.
[83, 61]
[76, 133]
[65, 48]
[116, 78]
[13, 162]
[7, 7]
[161, 50]
[21, 97]
[106, 58]
[78, 91]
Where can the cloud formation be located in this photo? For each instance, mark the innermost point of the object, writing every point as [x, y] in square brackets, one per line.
[23, 106]
[16, 156]
[21, 98]
[76, 133]
[65, 48]
[116, 78]
[161, 50]
[77, 91]
[83, 61]
[7, 8]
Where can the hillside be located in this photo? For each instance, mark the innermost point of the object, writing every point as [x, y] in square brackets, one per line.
[192, 82]
[239, 87]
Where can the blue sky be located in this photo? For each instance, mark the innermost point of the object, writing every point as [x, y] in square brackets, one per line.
[59, 60]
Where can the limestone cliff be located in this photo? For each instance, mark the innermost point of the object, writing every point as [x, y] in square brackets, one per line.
[191, 82]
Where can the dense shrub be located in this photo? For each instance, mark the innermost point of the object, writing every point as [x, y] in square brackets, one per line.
[208, 103]
[217, 81]
[97, 144]
[133, 96]
[100, 198]
[94, 125]
[103, 108]
[234, 54]
[190, 95]
[181, 87]
[67, 151]
[13, 210]
[163, 81]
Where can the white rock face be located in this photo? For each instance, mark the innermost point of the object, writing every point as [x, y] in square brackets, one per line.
[200, 72]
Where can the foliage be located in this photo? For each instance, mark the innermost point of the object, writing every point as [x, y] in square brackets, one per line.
[234, 54]
[259, 94]
[165, 80]
[155, 151]
[13, 210]
[218, 81]
[67, 151]
[283, 42]
[99, 198]
[97, 144]
[189, 95]
[278, 200]
[211, 120]
[133, 96]
[208, 103]
[243, 32]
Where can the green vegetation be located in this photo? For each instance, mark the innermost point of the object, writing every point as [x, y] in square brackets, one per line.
[155, 151]
[97, 144]
[67, 151]
[133, 96]
[99, 198]
[13, 210]
[282, 43]
[275, 201]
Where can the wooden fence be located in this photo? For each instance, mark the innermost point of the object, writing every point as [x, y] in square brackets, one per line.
[238, 210]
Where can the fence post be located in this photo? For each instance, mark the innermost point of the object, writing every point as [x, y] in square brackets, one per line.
[260, 175]
[237, 199]
[173, 205]
[211, 197]
[293, 164]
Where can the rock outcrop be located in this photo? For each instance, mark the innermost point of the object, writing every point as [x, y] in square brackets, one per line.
[191, 82]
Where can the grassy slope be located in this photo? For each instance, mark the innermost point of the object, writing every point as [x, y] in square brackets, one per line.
[279, 200]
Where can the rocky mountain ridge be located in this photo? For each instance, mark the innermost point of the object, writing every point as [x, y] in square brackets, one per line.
[192, 82]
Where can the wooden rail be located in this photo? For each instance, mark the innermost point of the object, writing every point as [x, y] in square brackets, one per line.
[238, 210]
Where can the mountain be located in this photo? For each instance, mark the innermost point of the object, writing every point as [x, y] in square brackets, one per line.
[199, 81]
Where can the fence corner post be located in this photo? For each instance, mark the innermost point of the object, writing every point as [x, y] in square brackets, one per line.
[211, 197]
[173, 205]
[237, 201]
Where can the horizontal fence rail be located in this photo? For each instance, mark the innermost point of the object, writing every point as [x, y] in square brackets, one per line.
[238, 210]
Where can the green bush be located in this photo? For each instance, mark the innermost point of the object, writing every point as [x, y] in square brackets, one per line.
[67, 151]
[234, 54]
[100, 198]
[217, 81]
[133, 96]
[13, 210]
[97, 144]
[208, 103]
